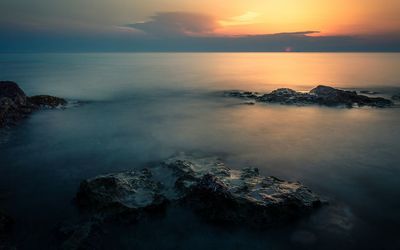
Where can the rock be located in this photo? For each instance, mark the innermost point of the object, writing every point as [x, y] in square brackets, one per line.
[13, 92]
[396, 97]
[47, 101]
[333, 97]
[204, 184]
[130, 193]
[287, 96]
[321, 95]
[15, 105]
[242, 94]
[242, 197]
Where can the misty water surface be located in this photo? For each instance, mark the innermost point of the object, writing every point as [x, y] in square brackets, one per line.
[142, 108]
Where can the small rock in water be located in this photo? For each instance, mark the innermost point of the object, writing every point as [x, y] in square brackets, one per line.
[396, 97]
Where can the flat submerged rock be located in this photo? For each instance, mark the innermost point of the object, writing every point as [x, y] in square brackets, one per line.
[321, 95]
[205, 184]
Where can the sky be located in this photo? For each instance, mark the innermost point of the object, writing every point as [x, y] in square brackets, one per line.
[207, 25]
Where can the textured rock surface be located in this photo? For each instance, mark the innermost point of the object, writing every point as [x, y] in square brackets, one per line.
[129, 193]
[243, 197]
[47, 101]
[321, 95]
[204, 184]
[15, 105]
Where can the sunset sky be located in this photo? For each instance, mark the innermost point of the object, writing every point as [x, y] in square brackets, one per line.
[130, 20]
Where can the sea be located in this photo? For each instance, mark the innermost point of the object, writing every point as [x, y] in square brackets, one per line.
[135, 109]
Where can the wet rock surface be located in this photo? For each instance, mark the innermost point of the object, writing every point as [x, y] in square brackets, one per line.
[321, 95]
[204, 184]
[130, 193]
[15, 105]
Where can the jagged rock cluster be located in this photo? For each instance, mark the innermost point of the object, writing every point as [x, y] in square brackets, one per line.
[15, 105]
[321, 95]
[203, 184]
[214, 191]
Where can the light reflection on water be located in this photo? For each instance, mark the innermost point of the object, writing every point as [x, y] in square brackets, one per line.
[148, 106]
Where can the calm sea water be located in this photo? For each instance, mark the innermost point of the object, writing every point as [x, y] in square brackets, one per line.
[144, 107]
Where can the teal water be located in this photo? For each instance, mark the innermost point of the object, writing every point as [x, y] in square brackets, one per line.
[144, 107]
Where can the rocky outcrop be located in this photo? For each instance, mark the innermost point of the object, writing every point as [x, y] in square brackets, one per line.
[321, 95]
[130, 193]
[205, 185]
[214, 191]
[46, 101]
[15, 105]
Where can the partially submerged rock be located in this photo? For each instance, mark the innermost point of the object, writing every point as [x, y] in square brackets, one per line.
[47, 101]
[321, 95]
[211, 189]
[15, 105]
[242, 197]
[396, 97]
[130, 193]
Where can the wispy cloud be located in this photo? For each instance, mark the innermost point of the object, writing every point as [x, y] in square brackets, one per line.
[249, 17]
[177, 24]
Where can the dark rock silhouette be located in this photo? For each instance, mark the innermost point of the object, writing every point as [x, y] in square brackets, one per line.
[15, 105]
[321, 95]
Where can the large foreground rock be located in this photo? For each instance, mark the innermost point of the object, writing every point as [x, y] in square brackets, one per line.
[206, 185]
[15, 105]
[321, 95]
[129, 193]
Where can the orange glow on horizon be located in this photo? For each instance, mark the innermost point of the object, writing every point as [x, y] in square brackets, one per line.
[339, 17]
